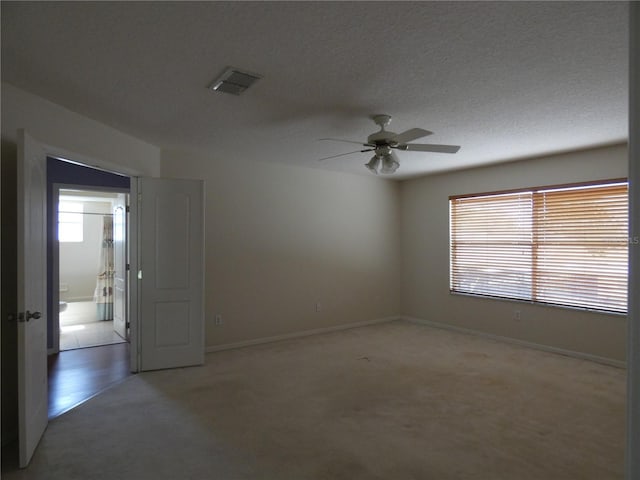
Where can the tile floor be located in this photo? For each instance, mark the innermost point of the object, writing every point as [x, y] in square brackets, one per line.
[80, 328]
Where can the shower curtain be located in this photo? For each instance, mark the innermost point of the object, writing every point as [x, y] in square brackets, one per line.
[103, 295]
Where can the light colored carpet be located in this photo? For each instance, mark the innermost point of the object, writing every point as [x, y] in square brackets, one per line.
[392, 401]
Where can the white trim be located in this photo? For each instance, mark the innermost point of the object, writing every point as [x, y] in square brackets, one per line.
[54, 286]
[303, 333]
[133, 286]
[523, 343]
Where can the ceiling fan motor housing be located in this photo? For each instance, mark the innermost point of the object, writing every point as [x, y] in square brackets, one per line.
[383, 150]
[381, 138]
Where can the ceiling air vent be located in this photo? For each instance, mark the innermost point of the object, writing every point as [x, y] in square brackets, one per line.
[234, 81]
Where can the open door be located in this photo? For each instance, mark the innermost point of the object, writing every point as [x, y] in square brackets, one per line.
[167, 325]
[170, 272]
[32, 296]
[120, 276]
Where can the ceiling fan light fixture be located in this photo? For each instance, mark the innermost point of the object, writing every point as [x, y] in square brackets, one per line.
[389, 164]
[373, 164]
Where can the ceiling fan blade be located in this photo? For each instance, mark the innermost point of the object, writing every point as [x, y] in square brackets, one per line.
[411, 134]
[347, 141]
[425, 147]
[343, 154]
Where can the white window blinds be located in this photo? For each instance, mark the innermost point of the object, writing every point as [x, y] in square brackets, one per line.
[564, 246]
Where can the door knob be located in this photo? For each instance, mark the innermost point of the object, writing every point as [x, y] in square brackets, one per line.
[23, 317]
[35, 315]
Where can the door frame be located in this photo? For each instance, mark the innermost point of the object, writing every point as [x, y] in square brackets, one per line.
[54, 283]
[96, 164]
[122, 276]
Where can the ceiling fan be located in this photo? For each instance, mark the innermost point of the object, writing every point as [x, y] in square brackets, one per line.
[384, 142]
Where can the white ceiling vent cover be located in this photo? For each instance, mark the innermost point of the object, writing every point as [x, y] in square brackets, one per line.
[234, 81]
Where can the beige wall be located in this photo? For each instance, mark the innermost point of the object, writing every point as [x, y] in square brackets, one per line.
[279, 239]
[69, 133]
[425, 256]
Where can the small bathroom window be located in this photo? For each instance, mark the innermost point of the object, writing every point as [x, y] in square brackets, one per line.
[70, 225]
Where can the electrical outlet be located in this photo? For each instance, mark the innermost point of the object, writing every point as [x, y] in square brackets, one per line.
[218, 320]
[516, 315]
[318, 306]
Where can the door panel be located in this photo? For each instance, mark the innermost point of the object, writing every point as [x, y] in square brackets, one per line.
[171, 256]
[120, 267]
[32, 322]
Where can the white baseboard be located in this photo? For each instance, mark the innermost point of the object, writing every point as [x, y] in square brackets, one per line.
[303, 333]
[522, 343]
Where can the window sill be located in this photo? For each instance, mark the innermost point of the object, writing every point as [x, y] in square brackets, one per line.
[540, 304]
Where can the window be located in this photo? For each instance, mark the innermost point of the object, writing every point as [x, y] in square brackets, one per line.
[70, 226]
[554, 245]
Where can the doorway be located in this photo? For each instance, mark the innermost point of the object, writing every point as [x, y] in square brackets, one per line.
[168, 239]
[86, 256]
[87, 269]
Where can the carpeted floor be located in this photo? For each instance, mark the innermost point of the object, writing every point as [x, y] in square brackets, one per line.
[392, 401]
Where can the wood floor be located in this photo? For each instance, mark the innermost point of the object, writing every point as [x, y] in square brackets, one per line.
[77, 375]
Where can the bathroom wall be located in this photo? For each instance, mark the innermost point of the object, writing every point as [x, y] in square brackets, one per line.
[79, 260]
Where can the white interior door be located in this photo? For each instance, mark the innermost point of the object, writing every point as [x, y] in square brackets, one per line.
[32, 296]
[120, 276]
[171, 272]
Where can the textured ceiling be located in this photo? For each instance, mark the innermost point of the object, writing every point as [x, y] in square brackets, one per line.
[505, 80]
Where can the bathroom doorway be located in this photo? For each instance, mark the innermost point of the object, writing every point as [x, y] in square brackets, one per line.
[77, 374]
[89, 196]
[88, 237]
